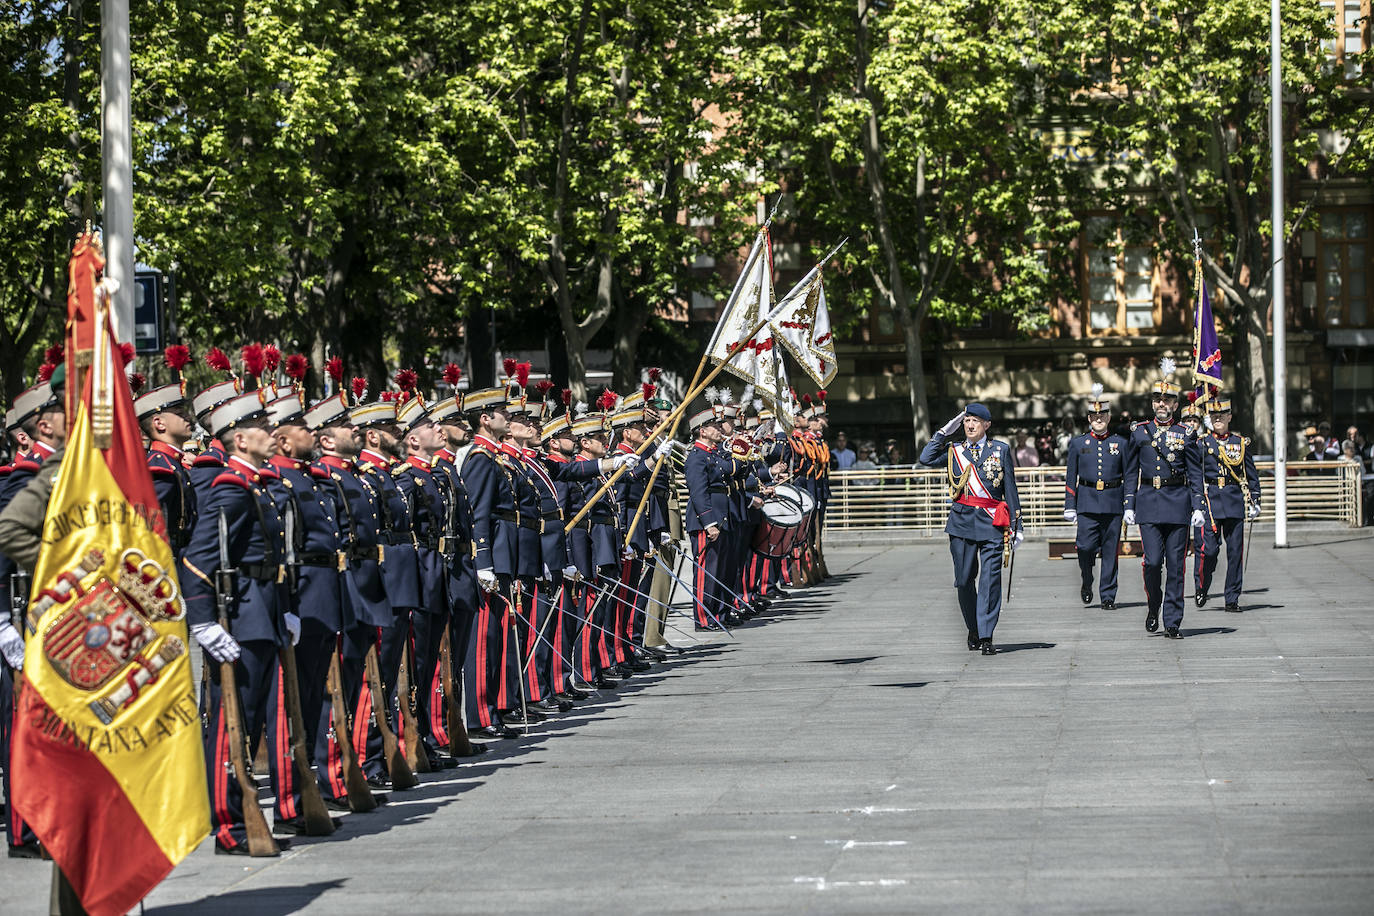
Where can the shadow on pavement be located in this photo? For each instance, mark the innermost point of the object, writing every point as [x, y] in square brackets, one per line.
[907, 684]
[263, 901]
[1003, 648]
[859, 660]
[1206, 631]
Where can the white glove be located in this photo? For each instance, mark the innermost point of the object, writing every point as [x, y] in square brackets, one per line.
[487, 579]
[665, 537]
[664, 448]
[548, 576]
[1129, 517]
[1197, 519]
[11, 645]
[293, 626]
[1253, 511]
[212, 638]
[952, 425]
[1070, 515]
[570, 572]
[1017, 537]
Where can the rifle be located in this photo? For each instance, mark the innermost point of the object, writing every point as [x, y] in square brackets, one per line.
[19, 600]
[458, 743]
[402, 776]
[317, 819]
[260, 841]
[360, 797]
[415, 755]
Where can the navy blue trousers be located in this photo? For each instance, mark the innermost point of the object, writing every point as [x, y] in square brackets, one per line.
[1099, 533]
[978, 579]
[1164, 547]
[1208, 545]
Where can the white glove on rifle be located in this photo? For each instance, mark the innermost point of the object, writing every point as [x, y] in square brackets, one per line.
[293, 626]
[664, 448]
[628, 460]
[1253, 512]
[11, 645]
[487, 579]
[952, 425]
[1198, 519]
[665, 537]
[214, 640]
[1070, 515]
[1129, 517]
[570, 572]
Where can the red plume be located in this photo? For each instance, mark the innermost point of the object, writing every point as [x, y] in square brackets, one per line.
[359, 387]
[406, 379]
[296, 366]
[649, 390]
[136, 382]
[126, 350]
[566, 397]
[388, 396]
[607, 400]
[654, 374]
[1192, 396]
[176, 357]
[271, 357]
[820, 395]
[806, 399]
[453, 373]
[216, 359]
[508, 364]
[254, 363]
[544, 386]
[334, 366]
[402, 397]
[45, 371]
[522, 374]
[54, 354]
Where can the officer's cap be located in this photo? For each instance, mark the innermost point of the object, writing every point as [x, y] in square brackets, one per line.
[624, 418]
[555, 428]
[701, 418]
[445, 412]
[164, 397]
[486, 400]
[373, 414]
[214, 396]
[27, 404]
[235, 411]
[590, 425]
[1164, 388]
[1219, 405]
[287, 410]
[980, 411]
[1190, 410]
[410, 414]
[331, 411]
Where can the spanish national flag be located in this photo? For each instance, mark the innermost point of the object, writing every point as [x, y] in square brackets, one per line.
[107, 759]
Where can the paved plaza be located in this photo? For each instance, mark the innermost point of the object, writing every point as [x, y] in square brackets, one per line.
[845, 753]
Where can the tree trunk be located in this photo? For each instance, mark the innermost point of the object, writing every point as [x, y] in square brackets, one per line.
[629, 325]
[916, 379]
[1252, 375]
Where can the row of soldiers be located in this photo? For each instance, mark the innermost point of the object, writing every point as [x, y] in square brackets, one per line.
[376, 583]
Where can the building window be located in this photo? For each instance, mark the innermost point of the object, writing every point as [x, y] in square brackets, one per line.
[1350, 22]
[1344, 249]
[1119, 281]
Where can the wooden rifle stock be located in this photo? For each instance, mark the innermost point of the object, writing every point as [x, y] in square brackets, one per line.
[416, 758]
[402, 776]
[359, 795]
[260, 841]
[458, 743]
[317, 819]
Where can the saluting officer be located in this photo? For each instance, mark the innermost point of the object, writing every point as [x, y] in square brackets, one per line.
[259, 627]
[984, 518]
[1094, 498]
[1163, 493]
[1232, 490]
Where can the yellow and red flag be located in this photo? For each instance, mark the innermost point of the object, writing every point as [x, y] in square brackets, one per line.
[107, 759]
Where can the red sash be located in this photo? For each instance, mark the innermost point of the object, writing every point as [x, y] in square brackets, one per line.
[1001, 516]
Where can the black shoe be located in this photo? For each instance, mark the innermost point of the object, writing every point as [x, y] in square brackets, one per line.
[669, 650]
[32, 850]
[655, 653]
[603, 682]
[335, 804]
[986, 647]
[638, 664]
[1200, 598]
[296, 826]
[703, 627]
[379, 781]
[1152, 620]
[1233, 608]
[1172, 633]
[1108, 604]
[973, 641]
[440, 761]
[474, 749]
[526, 716]
[579, 692]
[546, 706]
[241, 849]
[731, 620]
[492, 732]
[1086, 594]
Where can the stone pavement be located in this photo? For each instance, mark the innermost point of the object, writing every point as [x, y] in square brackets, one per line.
[847, 754]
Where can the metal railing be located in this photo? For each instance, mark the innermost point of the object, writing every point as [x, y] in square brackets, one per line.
[917, 498]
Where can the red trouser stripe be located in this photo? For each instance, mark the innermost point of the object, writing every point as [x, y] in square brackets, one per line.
[286, 782]
[479, 677]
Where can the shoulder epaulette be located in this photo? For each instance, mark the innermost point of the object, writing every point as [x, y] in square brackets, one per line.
[158, 470]
[399, 470]
[207, 461]
[269, 474]
[318, 472]
[1136, 424]
[229, 477]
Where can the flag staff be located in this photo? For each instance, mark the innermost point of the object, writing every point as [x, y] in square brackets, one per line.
[1279, 312]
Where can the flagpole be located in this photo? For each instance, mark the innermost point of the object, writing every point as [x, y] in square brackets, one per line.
[1277, 281]
[673, 418]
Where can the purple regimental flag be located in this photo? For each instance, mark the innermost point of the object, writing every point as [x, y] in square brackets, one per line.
[1206, 347]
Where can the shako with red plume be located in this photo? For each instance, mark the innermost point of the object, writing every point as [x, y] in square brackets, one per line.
[359, 386]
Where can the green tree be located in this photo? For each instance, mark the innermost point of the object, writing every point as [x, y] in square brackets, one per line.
[914, 129]
[1177, 103]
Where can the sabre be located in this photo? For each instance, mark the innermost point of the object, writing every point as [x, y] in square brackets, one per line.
[730, 591]
[692, 592]
[539, 633]
[636, 591]
[519, 653]
[1011, 568]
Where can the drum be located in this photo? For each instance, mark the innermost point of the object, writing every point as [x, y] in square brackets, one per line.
[782, 523]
